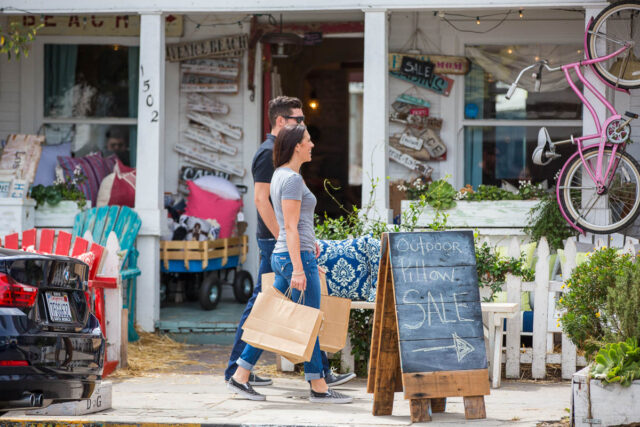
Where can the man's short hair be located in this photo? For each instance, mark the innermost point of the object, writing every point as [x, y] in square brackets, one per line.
[282, 106]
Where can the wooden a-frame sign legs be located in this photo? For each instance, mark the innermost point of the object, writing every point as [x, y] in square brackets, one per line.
[427, 391]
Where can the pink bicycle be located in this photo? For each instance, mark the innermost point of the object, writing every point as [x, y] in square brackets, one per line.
[598, 188]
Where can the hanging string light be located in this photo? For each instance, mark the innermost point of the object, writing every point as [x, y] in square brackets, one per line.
[521, 14]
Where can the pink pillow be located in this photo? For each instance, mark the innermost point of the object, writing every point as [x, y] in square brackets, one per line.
[123, 191]
[205, 205]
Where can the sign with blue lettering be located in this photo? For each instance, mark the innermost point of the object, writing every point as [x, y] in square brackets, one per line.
[428, 338]
[437, 83]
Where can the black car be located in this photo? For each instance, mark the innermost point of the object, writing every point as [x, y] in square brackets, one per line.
[51, 345]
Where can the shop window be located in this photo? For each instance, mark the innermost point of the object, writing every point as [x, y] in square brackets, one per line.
[91, 98]
[500, 134]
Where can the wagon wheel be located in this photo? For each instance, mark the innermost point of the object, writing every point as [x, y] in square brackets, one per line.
[242, 286]
[210, 291]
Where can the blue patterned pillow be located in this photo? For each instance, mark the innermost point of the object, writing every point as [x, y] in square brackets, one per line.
[352, 267]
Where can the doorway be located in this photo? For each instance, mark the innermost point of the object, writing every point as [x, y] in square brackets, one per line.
[321, 76]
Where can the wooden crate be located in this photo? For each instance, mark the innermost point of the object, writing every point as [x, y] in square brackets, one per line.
[186, 251]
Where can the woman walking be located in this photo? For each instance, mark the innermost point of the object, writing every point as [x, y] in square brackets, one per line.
[294, 257]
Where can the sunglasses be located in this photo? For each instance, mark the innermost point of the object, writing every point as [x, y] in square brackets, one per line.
[298, 119]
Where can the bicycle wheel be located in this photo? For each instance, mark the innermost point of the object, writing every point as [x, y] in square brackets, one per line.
[608, 32]
[604, 213]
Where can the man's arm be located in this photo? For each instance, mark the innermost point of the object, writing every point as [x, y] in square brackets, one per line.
[265, 210]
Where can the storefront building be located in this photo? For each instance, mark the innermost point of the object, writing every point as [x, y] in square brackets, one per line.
[128, 83]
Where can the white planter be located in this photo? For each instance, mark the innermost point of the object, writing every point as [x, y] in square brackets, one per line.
[16, 215]
[610, 405]
[61, 215]
[484, 214]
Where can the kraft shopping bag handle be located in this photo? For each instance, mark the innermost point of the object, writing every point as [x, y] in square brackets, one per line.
[288, 293]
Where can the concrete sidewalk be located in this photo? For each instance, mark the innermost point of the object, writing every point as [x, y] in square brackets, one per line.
[204, 399]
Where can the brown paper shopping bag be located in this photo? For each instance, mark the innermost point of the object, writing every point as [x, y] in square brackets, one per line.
[336, 310]
[282, 326]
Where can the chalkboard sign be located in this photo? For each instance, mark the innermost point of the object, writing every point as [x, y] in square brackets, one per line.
[414, 67]
[437, 301]
[428, 336]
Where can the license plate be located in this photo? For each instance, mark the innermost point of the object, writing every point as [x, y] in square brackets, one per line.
[59, 309]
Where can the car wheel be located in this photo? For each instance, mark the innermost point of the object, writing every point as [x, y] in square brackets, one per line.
[210, 292]
[243, 286]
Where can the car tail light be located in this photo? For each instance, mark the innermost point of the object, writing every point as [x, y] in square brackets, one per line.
[14, 363]
[14, 294]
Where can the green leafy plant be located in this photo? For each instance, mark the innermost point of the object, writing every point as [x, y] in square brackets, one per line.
[492, 268]
[589, 320]
[360, 330]
[617, 363]
[15, 40]
[545, 220]
[440, 194]
[61, 190]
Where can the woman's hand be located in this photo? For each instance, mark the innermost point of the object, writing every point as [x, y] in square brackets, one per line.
[299, 281]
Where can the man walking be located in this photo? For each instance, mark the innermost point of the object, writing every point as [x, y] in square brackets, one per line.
[283, 110]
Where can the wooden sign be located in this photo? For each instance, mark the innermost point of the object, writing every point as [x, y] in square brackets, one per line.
[428, 337]
[443, 64]
[205, 104]
[409, 162]
[415, 121]
[415, 67]
[93, 25]
[200, 83]
[219, 46]
[413, 100]
[208, 141]
[227, 129]
[437, 83]
[188, 173]
[226, 69]
[200, 158]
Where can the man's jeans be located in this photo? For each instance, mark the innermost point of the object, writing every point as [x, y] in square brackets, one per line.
[265, 246]
[281, 263]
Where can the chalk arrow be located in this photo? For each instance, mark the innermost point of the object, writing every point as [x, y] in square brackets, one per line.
[462, 347]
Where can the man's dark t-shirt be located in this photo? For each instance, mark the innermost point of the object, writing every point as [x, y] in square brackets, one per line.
[262, 171]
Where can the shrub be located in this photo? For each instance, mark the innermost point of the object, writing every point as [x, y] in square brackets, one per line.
[590, 318]
[492, 268]
[545, 220]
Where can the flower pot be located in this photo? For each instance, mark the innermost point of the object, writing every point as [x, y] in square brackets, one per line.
[61, 215]
[605, 405]
[483, 214]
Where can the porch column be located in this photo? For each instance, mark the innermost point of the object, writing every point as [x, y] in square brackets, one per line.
[375, 128]
[150, 162]
[588, 125]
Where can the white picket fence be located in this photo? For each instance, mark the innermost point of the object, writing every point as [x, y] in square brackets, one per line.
[545, 315]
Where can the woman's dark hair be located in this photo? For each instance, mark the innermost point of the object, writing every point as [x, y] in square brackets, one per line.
[286, 141]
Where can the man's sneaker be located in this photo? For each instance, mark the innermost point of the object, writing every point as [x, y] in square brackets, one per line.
[331, 396]
[335, 380]
[244, 390]
[256, 381]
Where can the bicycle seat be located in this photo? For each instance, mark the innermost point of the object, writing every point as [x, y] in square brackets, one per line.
[544, 153]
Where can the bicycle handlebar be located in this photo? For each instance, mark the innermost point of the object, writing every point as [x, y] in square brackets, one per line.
[538, 76]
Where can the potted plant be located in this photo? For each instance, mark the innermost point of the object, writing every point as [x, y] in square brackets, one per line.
[57, 204]
[601, 318]
[488, 206]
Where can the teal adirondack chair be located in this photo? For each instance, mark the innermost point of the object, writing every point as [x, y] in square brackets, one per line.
[125, 222]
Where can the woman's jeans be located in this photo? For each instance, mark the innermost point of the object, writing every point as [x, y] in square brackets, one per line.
[282, 266]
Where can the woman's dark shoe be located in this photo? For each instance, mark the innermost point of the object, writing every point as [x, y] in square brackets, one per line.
[244, 390]
[334, 380]
[256, 381]
[331, 396]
